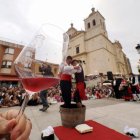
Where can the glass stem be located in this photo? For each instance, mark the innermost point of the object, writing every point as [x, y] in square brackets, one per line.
[21, 111]
[24, 104]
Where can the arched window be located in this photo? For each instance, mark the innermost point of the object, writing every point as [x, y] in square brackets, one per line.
[94, 22]
[88, 25]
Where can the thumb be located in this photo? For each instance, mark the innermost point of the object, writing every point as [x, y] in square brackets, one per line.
[6, 125]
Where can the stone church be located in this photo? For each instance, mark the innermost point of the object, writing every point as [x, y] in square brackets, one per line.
[96, 51]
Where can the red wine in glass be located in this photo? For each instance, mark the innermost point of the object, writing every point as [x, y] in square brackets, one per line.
[36, 84]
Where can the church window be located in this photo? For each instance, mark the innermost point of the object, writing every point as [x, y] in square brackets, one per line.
[88, 25]
[77, 50]
[94, 22]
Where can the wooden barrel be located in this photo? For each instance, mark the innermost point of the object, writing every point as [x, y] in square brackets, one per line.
[73, 116]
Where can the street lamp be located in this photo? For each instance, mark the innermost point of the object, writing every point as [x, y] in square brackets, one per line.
[138, 48]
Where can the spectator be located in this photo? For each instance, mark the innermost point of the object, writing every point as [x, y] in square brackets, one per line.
[34, 100]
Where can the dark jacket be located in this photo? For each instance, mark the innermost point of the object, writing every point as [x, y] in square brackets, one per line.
[132, 80]
[79, 77]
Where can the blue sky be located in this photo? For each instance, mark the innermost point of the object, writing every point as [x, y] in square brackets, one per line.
[20, 19]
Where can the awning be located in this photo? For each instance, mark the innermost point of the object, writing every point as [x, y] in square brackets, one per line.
[8, 78]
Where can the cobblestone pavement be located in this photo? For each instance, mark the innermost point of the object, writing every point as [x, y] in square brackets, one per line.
[110, 112]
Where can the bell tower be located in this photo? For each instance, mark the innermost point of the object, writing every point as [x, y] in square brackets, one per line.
[95, 24]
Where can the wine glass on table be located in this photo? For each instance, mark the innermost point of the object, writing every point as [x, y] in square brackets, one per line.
[38, 63]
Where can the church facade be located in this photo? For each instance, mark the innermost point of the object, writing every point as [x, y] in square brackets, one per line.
[93, 47]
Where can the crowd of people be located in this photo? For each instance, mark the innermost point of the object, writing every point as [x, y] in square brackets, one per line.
[121, 88]
[13, 96]
[127, 88]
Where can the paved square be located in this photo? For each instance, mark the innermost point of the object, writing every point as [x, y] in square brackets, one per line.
[112, 113]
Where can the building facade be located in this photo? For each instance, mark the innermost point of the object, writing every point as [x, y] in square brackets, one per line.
[93, 47]
[8, 53]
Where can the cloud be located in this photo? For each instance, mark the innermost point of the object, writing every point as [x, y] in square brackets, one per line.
[20, 19]
[13, 20]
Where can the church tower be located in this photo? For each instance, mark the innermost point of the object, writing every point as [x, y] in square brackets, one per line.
[95, 24]
[93, 47]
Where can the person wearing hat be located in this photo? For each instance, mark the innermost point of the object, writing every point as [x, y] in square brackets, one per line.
[80, 84]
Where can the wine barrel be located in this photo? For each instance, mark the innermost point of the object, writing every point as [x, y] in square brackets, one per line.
[72, 116]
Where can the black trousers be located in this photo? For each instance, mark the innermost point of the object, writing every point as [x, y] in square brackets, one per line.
[43, 97]
[65, 87]
[77, 98]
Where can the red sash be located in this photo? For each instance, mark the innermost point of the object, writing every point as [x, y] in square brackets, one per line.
[66, 77]
[81, 88]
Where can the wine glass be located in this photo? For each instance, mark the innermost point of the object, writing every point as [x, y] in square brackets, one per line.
[38, 63]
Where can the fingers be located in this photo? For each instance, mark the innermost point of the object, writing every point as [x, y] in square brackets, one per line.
[26, 133]
[11, 124]
[11, 114]
[20, 127]
[6, 125]
[16, 124]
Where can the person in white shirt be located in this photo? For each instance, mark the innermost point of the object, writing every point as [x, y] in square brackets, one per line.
[65, 72]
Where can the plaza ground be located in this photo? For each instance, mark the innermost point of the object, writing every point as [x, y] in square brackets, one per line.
[110, 112]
